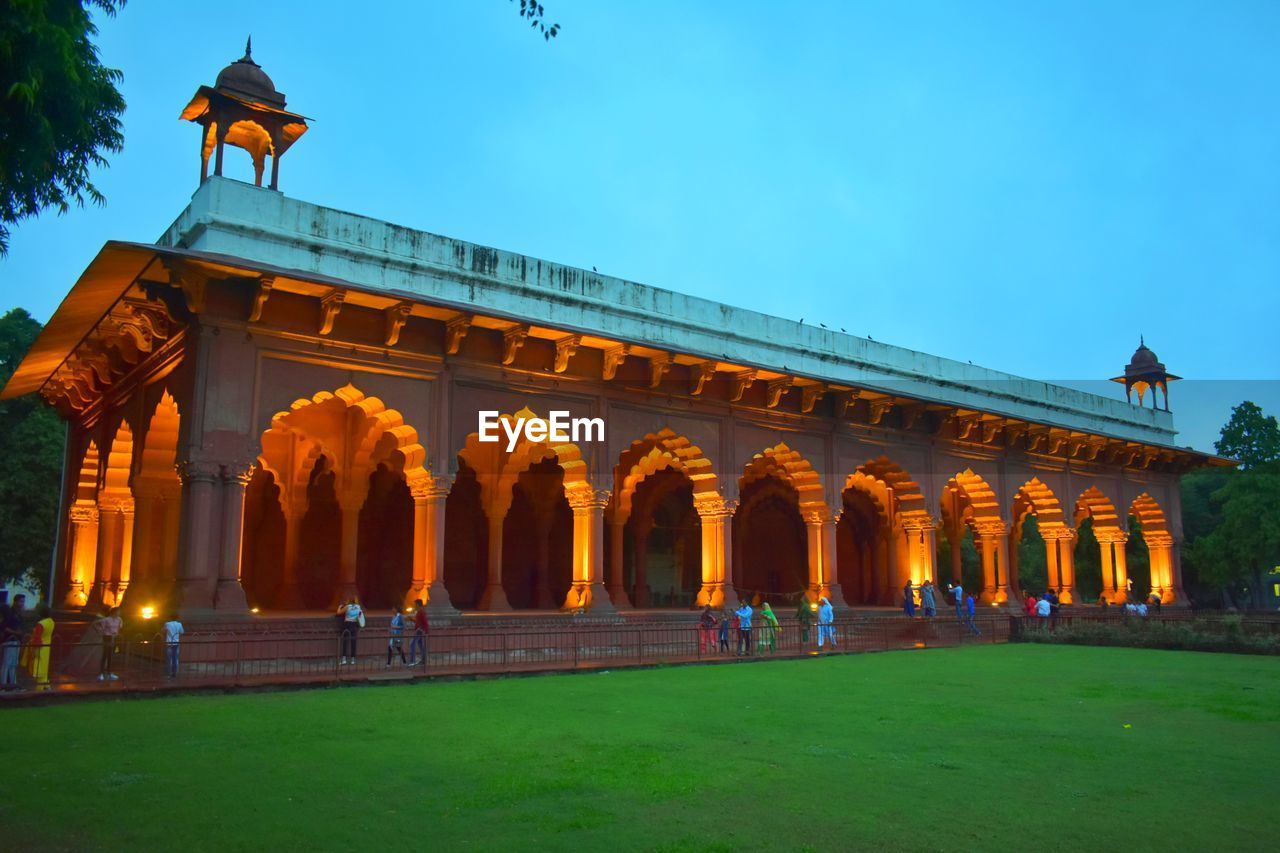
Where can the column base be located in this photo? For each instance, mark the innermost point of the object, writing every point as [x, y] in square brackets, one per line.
[618, 595]
[438, 604]
[194, 594]
[494, 599]
[1066, 595]
[76, 597]
[593, 597]
[415, 593]
[835, 595]
[230, 598]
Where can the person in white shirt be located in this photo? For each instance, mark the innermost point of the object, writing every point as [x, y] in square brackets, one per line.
[352, 619]
[173, 632]
[1044, 608]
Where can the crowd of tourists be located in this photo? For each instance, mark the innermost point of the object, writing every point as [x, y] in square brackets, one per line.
[748, 631]
[351, 618]
[23, 647]
[924, 598]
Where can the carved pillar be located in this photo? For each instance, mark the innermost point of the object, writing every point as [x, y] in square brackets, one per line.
[166, 576]
[616, 587]
[290, 596]
[120, 581]
[884, 556]
[543, 517]
[495, 597]
[813, 538]
[955, 537]
[428, 548]
[197, 567]
[1053, 574]
[830, 564]
[922, 547]
[347, 589]
[1108, 567]
[994, 537]
[1122, 567]
[229, 596]
[1067, 565]
[717, 551]
[640, 527]
[147, 531]
[588, 589]
[102, 592]
[84, 546]
[1160, 554]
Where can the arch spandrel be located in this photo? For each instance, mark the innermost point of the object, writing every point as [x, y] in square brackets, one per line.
[1034, 497]
[1155, 524]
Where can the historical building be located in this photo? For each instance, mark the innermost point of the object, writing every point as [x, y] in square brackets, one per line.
[277, 405]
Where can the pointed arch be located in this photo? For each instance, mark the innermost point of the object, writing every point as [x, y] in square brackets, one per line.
[1155, 526]
[1035, 498]
[1095, 505]
[119, 463]
[653, 453]
[977, 501]
[783, 463]
[901, 495]
[160, 444]
[497, 470]
[87, 482]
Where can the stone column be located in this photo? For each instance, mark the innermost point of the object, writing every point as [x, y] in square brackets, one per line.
[229, 596]
[954, 539]
[830, 564]
[125, 566]
[147, 531]
[712, 515]
[881, 577]
[1053, 573]
[994, 536]
[84, 546]
[813, 537]
[494, 596]
[617, 589]
[1108, 567]
[1160, 555]
[290, 596]
[543, 517]
[640, 527]
[1122, 567]
[1067, 565]
[197, 567]
[428, 549]
[165, 578]
[588, 559]
[100, 592]
[350, 504]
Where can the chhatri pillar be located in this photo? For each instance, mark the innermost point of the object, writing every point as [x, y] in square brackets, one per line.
[717, 554]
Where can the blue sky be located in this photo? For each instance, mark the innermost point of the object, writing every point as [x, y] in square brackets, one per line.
[1026, 185]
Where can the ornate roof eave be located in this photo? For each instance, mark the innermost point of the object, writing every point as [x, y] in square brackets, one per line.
[120, 264]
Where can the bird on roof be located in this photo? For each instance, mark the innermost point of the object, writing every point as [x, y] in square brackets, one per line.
[802, 320]
[593, 269]
[823, 325]
[843, 329]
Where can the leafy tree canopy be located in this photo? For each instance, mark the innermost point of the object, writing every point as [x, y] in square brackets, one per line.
[1250, 436]
[31, 442]
[59, 107]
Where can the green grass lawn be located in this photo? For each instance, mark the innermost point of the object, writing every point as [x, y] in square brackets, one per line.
[997, 747]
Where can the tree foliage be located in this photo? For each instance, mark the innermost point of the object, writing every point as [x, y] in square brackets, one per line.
[1249, 436]
[59, 107]
[532, 12]
[1231, 518]
[31, 444]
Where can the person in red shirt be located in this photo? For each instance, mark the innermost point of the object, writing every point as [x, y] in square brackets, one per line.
[421, 627]
[1030, 605]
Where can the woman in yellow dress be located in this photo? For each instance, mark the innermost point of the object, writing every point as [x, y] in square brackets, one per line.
[36, 656]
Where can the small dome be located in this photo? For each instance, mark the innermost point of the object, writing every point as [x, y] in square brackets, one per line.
[245, 78]
[1143, 357]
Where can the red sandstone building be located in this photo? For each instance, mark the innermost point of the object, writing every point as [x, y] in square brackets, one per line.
[276, 405]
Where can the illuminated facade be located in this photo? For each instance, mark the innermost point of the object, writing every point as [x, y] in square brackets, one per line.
[276, 405]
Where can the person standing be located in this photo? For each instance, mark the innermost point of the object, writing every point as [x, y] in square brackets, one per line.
[1029, 606]
[352, 620]
[744, 628]
[768, 628]
[1044, 610]
[969, 610]
[39, 646]
[173, 632]
[109, 629]
[804, 615]
[826, 623]
[707, 631]
[958, 591]
[395, 637]
[11, 641]
[927, 600]
[421, 627]
[909, 600]
[724, 632]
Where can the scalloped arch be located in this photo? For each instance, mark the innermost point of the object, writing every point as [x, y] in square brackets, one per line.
[656, 452]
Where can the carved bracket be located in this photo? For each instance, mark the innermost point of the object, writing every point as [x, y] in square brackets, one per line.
[454, 331]
[397, 315]
[260, 296]
[565, 348]
[330, 305]
[810, 395]
[774, 391]
[512, 340]
[658, 367]
[741, 382]
[613, 358]
[706, 371]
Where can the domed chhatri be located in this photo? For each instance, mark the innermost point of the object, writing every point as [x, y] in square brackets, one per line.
[1144, 371]
[244, 109]
[245, 78]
